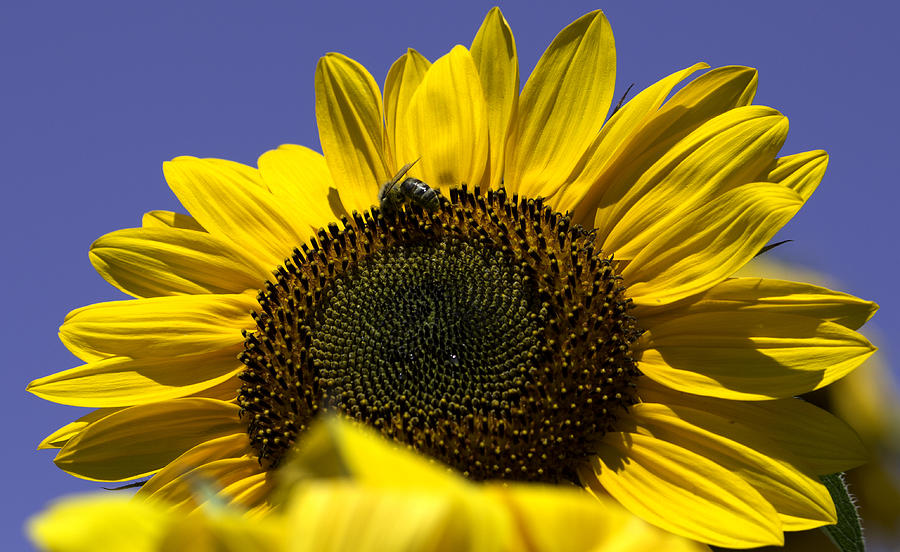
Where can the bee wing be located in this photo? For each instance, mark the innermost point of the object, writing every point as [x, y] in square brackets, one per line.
[400, 174]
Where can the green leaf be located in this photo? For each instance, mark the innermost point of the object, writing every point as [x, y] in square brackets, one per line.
[847, 533]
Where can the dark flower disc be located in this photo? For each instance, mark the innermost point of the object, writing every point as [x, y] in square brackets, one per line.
[490, 334]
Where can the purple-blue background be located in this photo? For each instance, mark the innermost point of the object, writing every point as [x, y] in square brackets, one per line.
[96, 96]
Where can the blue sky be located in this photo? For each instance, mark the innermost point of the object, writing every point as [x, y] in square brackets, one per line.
[97, 95]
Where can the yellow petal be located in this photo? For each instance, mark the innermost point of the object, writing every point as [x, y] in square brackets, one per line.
[403, 78]
[61, 436]
[299, 177]
[560, 519]
[800, 172]
[749, 355]
[562, 106]
[683, 492]
[347, 484]
[249, 492]
[622, 127]
[717, 91]
[337, 448]
[710, 244]
[228, 446]
[766, 295]
[159, 327]
[702, 99]
[494, 53]
[140, 440]
[226, 391]
[802, 502]
[343, 516]
[225, 530]
[168, 219]
[123, 381]
[348, 479]
[867, 400]
[233, 209]
[248, 176]
[726, 152]
[349, 115]
[150, 262]
[446, 124]
[105, 522]
[99, 523]
[197, 486]
[795, 430]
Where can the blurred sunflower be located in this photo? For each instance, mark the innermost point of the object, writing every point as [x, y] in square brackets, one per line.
[868, 399]
[492, 328]
[343, 492]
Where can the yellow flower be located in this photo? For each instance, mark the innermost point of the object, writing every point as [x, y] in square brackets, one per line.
[868, 399]
[366, 504]
[109, 523]
[488, 331]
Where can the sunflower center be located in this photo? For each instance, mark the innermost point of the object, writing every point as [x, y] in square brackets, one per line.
[490, 334]
[421, 328]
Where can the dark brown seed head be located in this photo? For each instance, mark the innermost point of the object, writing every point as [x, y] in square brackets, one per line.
[490, 334]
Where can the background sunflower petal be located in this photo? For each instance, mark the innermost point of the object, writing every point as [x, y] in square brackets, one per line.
[159, 327]
[683, 492]
[709, 244]
[447, 124]
[299, 177]
[350, 119]
[749, 355]
[152, 262]
[562, 106]
[494, 52]
[226, 204]
[702, 99]
[140, 440]
[802, 501]
[401, 82]
[123, 381]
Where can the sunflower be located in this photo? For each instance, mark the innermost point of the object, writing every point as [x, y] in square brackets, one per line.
[868, 399]
[561, 311]
[365, 504]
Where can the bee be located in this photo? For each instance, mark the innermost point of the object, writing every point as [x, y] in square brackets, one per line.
[393, 194]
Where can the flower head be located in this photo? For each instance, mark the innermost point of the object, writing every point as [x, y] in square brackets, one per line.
[548, 298]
